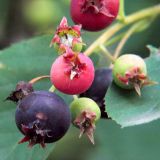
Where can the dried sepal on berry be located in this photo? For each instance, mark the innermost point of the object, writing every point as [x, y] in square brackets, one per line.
[76, 67]
[96, 6]
[22, 90]
[67, 36]
[134, 77]
[34, 134]
[85, 122]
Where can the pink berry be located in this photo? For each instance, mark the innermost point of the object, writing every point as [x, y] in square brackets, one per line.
[72, 74]
[94, 15]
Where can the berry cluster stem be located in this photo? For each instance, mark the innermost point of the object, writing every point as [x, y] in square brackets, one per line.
[52, 88]
[126, 37]
[34, 80]
[107, 53]
[121, 15]
[137, 16]
[75, 97]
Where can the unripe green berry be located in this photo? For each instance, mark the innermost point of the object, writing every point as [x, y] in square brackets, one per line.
[85, 112]
[84, 104]
[130, 72]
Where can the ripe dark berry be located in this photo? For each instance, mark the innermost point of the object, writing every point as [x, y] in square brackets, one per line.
[43, 117]
[130, 72]
[72, 73]
[98, 89]
[85, 113]
[94, 15]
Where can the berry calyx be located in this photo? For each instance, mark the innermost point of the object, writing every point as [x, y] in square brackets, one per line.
[43, 117]
[99, 87]
[72, 73]
[85, 113]
[130, 72]
[67, 37]
[94, 15]
[22, 90]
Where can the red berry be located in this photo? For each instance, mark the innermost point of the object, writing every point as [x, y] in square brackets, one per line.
[72, 74]
[94, 15]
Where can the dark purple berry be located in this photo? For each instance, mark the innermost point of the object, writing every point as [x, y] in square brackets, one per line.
[98, 89]
[43, 117]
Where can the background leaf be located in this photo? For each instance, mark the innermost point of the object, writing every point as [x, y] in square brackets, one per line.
[111, 143]
[128, 109]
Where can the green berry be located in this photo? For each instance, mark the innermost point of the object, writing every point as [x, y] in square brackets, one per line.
[130, 72]
[85, 113]
[84, 104]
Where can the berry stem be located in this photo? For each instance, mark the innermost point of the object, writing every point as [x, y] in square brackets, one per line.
[126, 37]
[75, 97]
[107, 53]
[114, 39]
[34, 80]
[137, 16]
[52, 88]
[144, 26]
[121, 15]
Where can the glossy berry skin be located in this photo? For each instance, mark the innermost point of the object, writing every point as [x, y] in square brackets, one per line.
[61, 74]
[43, 117]
[129, 69]
[102, 80]
[94, 15]
[98, 89]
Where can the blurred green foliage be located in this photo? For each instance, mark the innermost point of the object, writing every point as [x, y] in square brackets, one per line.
[43, 16]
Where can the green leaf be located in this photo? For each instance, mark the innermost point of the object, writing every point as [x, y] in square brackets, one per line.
[22, 61]
[153, 50]
[111, 143]
[127, 108]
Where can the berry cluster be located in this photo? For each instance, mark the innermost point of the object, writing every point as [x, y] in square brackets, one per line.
[73, 73]
[44, 117]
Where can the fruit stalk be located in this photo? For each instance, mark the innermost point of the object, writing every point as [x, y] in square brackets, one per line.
[34, 80]
[126, 37]
[121, 15]
[137, 16]
[107, 53]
